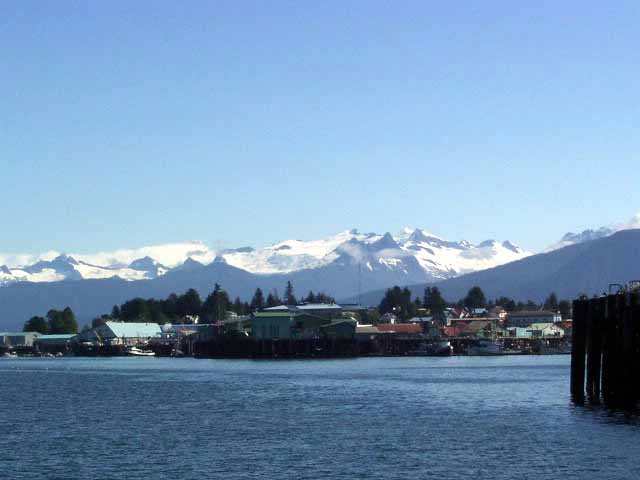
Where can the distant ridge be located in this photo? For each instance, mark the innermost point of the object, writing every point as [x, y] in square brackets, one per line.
[587, 267]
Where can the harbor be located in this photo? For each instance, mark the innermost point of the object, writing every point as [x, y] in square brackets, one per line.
[310, 331]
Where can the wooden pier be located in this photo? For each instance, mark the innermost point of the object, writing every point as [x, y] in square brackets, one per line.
[605, 360]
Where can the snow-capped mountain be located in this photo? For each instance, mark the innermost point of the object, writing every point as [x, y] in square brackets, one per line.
[571, 238]
[414, 254]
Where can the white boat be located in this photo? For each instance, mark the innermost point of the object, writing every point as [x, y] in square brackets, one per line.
[9, 355]
[137, 352]
[485, 347]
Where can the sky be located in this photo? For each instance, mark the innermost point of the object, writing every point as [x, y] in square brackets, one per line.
[125, 124]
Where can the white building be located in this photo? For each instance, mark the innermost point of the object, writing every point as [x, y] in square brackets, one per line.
[527, 317]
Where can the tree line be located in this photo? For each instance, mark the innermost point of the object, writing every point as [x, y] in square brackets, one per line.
[399, 302]
[215, 306]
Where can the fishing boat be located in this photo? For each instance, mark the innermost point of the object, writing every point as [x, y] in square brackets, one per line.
[138, 352]
[485, 347]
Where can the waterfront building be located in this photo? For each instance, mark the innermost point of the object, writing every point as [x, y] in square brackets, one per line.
[545, 330]
[17, 339]
[328, 310]
[286, 324]
[527, 317]
[343, 329]
[54, 342]
[122, 333]
[518, 332]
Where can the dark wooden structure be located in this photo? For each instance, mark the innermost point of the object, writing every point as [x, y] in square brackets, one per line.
[605, 359]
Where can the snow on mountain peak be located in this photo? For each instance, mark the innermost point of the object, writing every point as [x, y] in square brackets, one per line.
[588, 235]
[413, 251]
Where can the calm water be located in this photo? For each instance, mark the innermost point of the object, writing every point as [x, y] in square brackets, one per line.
[497, 418]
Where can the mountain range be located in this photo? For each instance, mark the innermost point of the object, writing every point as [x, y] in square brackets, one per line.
[414, 253]
[342, 266]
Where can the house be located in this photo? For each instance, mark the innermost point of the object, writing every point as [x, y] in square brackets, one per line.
[339, 329]
[122, 333]
[527, 317]
[18, 339]
[518, 332]
[480, 329]
[455, 313]
[545, 330]
[54, 342]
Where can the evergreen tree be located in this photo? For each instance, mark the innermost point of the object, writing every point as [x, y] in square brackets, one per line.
[289, 297]
[324, 298]
[273, 300]
[531, 305]
[564, 306]
[62, 322]
[238, 307]
[475, 298]
[310, 298]
[135, 310]
[216, 305]
[54, 318]
[115, 312]
[69, 321]
[189, 303]
[36, 324]
[433, 301]
[257, 302]
[507, 303]
[398, 301]
[551, 303]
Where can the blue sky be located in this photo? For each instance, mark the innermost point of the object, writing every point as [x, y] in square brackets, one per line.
[249, 122]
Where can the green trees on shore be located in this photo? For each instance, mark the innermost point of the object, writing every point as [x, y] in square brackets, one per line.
[57, 322]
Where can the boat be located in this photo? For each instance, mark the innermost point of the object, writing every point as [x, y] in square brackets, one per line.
[485, 347]
[138, 352]
[9, 355]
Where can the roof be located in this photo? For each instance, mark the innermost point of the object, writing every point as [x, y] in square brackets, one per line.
[134, 329]
[285, 313]
[319, 306]
[17, 334]
[59, 337]
[367, 329]
[476, 326]
[469, 320]
[533, 313]
[540, 326]
[400, 327]
[420, 319]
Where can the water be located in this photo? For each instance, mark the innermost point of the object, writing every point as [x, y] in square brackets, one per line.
[391, 418]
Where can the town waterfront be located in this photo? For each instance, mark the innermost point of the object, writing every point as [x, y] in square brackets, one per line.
[418, 417]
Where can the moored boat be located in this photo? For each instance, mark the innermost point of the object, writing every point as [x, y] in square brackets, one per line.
[138, 352]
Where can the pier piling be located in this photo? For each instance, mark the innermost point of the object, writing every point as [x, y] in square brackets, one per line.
[606, 340]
